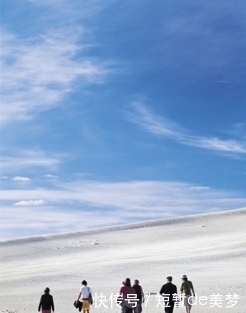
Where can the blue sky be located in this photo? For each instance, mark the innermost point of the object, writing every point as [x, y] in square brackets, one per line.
[116, 112]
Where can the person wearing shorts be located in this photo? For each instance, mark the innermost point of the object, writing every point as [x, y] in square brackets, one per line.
[188, 293]
[84, 295]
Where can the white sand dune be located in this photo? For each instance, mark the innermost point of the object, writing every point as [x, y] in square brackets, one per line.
[209, 248]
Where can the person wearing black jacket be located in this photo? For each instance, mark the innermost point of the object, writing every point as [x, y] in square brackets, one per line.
[168, 291]
[46, 302]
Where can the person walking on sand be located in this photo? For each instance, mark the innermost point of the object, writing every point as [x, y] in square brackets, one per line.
[168, 291]
[84, 296]
[140, 296]
[129, 297]
[46, 302]
[188, 293]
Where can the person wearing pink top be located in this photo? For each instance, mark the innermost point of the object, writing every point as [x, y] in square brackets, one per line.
[129, 296]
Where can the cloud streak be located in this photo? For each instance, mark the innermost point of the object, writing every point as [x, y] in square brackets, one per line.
[108, 203]
[24, 221]
[165, 128]
[135, 195]
[21, 179]
[38, 73]
[30, 158]
[30, 203]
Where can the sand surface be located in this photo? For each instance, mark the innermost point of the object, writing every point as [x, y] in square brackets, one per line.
[209, 248]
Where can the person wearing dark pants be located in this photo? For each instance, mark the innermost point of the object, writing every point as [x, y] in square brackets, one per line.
[140, 296]
[168, 291]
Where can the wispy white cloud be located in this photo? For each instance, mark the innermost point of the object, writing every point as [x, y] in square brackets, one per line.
[25, 221]
[232, 146]
[124, 202]
[30, 202]
[136, 195]
[21, 179]
[163, 127]
[200, 188]
[146, 119]
[51, 176]
[30, 158]
[38, 73]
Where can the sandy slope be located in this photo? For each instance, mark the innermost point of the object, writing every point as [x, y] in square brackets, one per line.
[209, 248]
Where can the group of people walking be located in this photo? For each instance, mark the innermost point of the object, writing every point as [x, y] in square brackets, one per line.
[126, 300]
[169, 293]
[131, 297]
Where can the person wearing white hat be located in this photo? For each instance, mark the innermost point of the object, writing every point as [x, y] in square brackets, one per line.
[188, 293]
